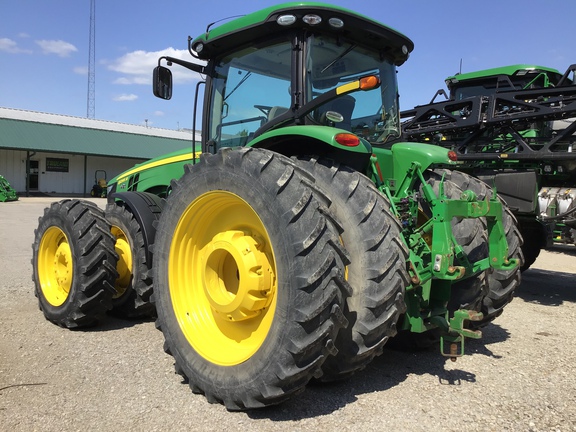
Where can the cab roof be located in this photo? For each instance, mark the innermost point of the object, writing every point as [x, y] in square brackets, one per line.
[263, 23]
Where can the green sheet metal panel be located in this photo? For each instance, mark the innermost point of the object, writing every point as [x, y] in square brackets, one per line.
[47, 137]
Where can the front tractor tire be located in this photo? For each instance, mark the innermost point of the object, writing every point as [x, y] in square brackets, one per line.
[74, 263]
[134, 283]
[249, 282]
[377, 272]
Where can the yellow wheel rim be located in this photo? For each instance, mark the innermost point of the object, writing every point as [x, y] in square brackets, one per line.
[222, 276]
[55, 266]
[124, 265]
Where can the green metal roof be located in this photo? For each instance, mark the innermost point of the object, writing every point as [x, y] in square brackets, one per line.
[95, 138]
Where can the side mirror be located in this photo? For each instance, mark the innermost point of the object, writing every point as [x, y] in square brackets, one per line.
[162, 82]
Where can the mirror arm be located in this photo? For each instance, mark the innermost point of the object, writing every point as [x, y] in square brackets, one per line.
[188, 65]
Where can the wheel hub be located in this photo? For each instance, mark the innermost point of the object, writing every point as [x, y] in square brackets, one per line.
[62, 267]
[55, 266]
[222, 277]
[238, 277]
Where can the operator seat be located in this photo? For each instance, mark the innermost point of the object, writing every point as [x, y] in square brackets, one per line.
[275, 111]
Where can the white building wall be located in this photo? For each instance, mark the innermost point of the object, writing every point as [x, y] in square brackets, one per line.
[13, 168]
[63, 182]
[112, 166]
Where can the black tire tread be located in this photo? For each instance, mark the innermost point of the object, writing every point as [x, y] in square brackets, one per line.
[94, 263]
[136, 301]
[533, 242]
[377, 272]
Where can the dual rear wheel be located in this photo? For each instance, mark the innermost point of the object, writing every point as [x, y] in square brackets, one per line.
[267, 278]
[249, 276]
[87, 262]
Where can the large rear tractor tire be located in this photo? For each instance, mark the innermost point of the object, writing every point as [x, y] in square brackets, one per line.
[74, 263]
[377, 271]
[249, 278]
[134, 283]
[501, 283]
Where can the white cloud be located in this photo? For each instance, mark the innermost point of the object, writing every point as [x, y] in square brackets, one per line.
[136, 67]
[132, 80]
[81, 70]
[58, 47]
[125, 97]
[159, 113]
[8, 45]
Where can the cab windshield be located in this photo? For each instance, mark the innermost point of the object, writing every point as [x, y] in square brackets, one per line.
[254, 85]
[372, 114]
[249, 88]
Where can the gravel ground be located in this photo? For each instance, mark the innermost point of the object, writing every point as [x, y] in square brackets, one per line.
[520, 377]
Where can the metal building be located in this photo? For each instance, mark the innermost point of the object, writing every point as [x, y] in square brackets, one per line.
[44, 153]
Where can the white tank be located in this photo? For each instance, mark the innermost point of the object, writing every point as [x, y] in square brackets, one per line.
[547, 201]
[565, 198]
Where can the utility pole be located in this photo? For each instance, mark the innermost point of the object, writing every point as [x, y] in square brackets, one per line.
[91, 105]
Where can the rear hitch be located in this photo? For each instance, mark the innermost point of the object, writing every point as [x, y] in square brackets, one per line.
[454, 333]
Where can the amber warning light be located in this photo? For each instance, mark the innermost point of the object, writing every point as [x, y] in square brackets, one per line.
[369, 82]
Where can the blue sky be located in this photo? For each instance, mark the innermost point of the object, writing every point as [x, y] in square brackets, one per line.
[44, 48]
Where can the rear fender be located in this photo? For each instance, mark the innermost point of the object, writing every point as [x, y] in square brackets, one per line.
[146, 208]
[315, 140]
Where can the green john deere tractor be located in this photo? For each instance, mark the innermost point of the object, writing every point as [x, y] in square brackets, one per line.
[294, 240]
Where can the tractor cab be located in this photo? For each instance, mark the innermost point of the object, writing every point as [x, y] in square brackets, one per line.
[253, 91]
[296, 65]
